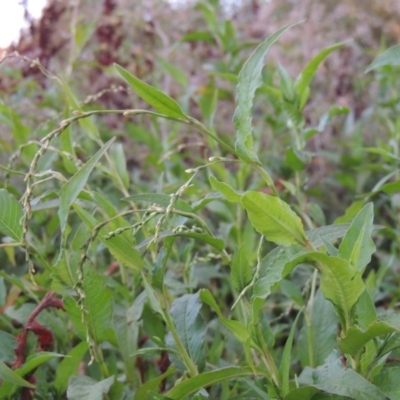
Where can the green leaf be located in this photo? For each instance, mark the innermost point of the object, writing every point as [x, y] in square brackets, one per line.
[340, 282]
[342, 383]
[163, 200]
[225, 189]
[85, 388]
[118, 159]
[154, 97]
[120, 246]
[274, 219]
[177, 74]
[185, 313]
[188, 386]
[97, 305]
[237, 328]
[391, 56]
[284, 369]
[69, 366]
[8, 375]
[307, 74]
[71, 189]
[357, 246]
[389, 382]
[356, 338]
[10, 216]
[206, 297]
[323, 331]
[142, 392]
[248, 82]
[241, 270]
[272, 269]
[328, 233]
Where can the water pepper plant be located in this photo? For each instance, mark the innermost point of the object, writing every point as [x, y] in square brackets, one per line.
[241, 292]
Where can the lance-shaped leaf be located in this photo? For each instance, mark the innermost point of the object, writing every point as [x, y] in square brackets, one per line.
[10, 216]
[8, 375]
[388, 382]
[389, 57]
[357, 246]
[307, 74]
[97, 304]
[274, 219]
[154, 97]
[86, 388]
[120, 246]
[278, 263]
[185, 313]
[71, 189]
[188, 386]
[249, 81]
[356, 338]
[340, 282]
[346, 383]
[222, 187]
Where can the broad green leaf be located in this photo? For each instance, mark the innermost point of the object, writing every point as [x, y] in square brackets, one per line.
[127, 332]
[154, 97]
[340, 282]
[64, 273]
[356, 338]
[86, 388]
[388, 382]
[225, 189]
[326, 233]
[365, 311]
[188, 386]
[163, 200]
[274, 219]
[248, 82]
[357, 246]
[71, 189]
[391, 56]
[8, 375]
[97, 305]
[241, 273]
[272, 269]
[324, 323]
[307, 74]
[237, 328]
[341, 383]
[121, 248]
[69, 366]
[284, 369]
[10, 216]
[185, 313]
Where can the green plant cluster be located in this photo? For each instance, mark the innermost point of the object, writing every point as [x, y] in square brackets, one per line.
[215, 270]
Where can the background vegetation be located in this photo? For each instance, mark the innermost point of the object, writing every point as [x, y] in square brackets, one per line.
[127, 240]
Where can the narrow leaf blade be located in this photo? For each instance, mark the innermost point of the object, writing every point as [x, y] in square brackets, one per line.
[71, 189]
[154, 97]
[249, 81]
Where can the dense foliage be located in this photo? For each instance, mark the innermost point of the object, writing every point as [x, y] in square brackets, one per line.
[234, 238]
